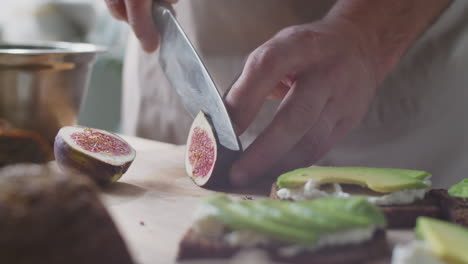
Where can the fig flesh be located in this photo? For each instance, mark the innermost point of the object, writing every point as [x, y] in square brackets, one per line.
[101, 155]
[207, 162]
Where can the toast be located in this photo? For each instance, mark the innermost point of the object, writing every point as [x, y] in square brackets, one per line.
[194, 246]
[437, 241]
[23, 146]
[453, 209]
[50, 217]
[329, 230]
[400, 216]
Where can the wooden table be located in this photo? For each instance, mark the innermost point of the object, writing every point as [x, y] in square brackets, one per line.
[153, 203]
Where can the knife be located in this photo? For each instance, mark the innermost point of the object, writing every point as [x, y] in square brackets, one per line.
[187, 74]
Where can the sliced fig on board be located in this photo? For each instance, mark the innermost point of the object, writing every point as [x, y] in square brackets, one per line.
[101, 155]
[207, 162]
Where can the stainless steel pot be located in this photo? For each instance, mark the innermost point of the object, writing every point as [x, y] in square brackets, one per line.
[42, 85]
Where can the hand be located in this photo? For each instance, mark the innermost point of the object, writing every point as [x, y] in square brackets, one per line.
[138, 14]
[326, 77]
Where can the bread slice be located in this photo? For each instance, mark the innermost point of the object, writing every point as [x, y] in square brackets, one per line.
[400, 216]
[453, 209]
[23, 146]
[194, 246]
[50, 217]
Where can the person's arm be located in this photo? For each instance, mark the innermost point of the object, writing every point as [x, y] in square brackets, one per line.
[336, 64]
[390, 26]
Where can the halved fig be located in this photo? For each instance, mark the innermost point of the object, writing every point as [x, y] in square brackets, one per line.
[101, 155]
[206, 161]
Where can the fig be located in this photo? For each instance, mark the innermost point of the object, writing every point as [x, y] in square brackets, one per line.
[207, 162]
[101, 155]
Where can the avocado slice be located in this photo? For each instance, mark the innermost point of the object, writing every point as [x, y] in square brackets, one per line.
[304, 217]
[356, 210]
[240, 216]
[460, 189]
[295, 222]
[446, 241]
[382, 180]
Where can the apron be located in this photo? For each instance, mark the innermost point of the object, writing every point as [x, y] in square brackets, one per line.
[416, 121]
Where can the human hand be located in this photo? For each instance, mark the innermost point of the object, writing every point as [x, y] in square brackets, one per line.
[137, 13]
[325, 75]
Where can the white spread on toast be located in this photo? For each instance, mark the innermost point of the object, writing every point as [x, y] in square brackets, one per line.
[206, 223]
[244, 238]
[344, 237]
[311, 190]
[414, 252]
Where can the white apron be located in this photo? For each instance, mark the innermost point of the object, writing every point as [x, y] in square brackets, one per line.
[417, 120]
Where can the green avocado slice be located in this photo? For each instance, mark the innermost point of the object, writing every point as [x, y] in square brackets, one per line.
[381, 180]
[446, 241]
[299, 216]
[240, 216]
[295, 222]
[356, 210]
[460, 189]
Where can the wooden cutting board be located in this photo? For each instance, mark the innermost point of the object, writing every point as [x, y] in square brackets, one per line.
[153, 203]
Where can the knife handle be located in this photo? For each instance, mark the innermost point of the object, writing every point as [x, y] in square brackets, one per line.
[160, 10]
[162, 6]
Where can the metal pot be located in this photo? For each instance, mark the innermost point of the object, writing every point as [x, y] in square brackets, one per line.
[43, 85]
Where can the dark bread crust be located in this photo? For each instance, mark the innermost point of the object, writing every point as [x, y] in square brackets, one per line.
[404, 216]
[274, 190]
[194, 246]
[50, 217]
[197, 247]
[400, 216]
[23, 146]
[453, 209]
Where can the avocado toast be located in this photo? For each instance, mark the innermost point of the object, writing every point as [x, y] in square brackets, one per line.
[402, 194]
[438, 242]
[327, 230]
[453, 203]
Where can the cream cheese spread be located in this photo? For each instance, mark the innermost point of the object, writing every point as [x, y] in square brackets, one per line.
[345, 237]
[245, 238]
[311, 190]
[206, 223]
[414, 252]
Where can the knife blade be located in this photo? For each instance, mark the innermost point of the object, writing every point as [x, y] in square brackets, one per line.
[188, 75]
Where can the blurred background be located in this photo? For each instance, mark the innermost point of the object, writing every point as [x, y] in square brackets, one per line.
[76, 21]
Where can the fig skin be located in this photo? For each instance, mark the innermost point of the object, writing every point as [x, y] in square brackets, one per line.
[224, 158]
[219, 178]
[76, 161]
